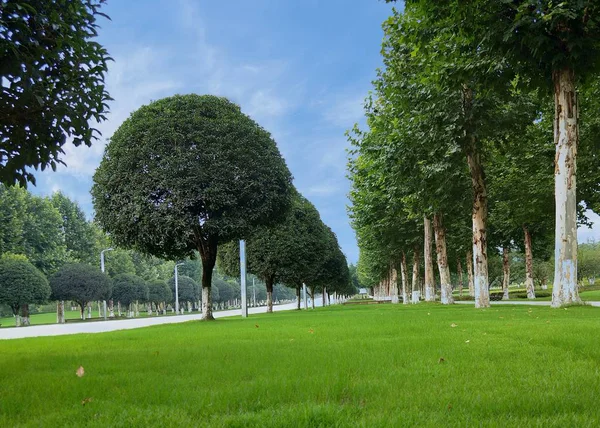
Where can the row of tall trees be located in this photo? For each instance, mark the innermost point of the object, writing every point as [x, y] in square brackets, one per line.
[459, 148]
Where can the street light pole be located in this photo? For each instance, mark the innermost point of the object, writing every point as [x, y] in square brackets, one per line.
[102, 269]
[243, 278]
[177, 288]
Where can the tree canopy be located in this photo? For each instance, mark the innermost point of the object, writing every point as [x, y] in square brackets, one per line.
[202, 173]
[52, 71]
[21, 283]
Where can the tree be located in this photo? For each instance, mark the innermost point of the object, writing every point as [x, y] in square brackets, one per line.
[21, 283]
[202, 174]
[80, 283]
[33, 227]
[159, 293]
[52, 76]
[186, 287]
[78, 233]
[291, 252]
[557, 45]
[129, 288]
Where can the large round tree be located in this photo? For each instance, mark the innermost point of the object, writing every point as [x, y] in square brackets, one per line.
[80, 283]
[128, 289]
[187, 173]
[21, 283]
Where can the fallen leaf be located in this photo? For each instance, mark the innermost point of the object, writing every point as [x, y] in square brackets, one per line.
[501, 317]
[80, 371]
[428, 313]
[311, 331]
[86, 400]
[467, 341]
[256, 325]
[156, 353]
[449, 406]
[441, 360]
[291, 340]
[453, 325]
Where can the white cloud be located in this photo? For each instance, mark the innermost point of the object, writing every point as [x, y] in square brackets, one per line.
[345, 112]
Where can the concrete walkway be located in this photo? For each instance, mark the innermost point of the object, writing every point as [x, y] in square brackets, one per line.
[104, 326]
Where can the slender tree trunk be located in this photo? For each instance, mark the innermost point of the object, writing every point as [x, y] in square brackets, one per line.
[470, 273]
[111, 307]
[312, 297]
[415, 277]
[15, 310]
[60, 312]
[480, 261]
[566, 139]
[506, 271]
[442, 260]
[89, 307]
[394, 285]
[429, 278]
[269, 283]
[324, 296]
[404, 275]
[25, 315]
[208, 255]
[528, 264]
[119, 308]
[460, 276]
[298, 297]
[82, 310]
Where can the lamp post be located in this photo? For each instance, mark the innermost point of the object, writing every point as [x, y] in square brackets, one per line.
[102, 269]
[243, 278]
[177, 288]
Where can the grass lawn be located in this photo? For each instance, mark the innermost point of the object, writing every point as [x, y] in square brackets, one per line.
[45, 318]
[372, 365]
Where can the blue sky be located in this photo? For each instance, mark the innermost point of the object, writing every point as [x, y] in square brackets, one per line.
[299, 68]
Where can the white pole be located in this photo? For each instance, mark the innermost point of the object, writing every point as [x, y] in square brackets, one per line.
[102, 269]
[176, 290]
[244, 302]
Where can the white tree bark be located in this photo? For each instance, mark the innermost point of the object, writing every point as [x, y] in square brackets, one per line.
[506, 272]
[429, 278]
[528, 264]
[324, 296]
[207, 310]
[442, 260]
[394, 285]
[405, 285]
[460, 276]
[416, 294]
[566, 138]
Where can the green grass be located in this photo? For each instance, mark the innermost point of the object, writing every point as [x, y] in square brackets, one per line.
[45, 318]
[368, 366]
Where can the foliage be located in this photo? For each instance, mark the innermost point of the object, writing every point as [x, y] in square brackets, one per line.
[81, 283]
[78, 233]
[187, 287]
[128, 288]
[52, 82]
[21, 282]
[159, 291]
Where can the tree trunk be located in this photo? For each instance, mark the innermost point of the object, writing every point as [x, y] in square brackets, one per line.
[60, 312]
[25, 315]
[566, 139]
[324, 296]
[119, 308]
[15, 310]
[111, 307]
[269, 284]
[442, 260]
[460, 276]
[404, 275]
[394, 285]
[89, 306]
[429, 278]
[528, 265]
[479, 214]
[506, 271]
[82, 310]
[298, 297]
[312, 297]
[470, 273]
[415, 277]
[208, 254]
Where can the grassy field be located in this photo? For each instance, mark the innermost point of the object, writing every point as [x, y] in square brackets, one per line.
[373, 365]
[45, 318]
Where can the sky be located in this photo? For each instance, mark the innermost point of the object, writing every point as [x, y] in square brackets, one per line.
[301, 69]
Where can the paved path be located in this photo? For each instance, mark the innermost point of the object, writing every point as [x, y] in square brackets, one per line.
[103, 326]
